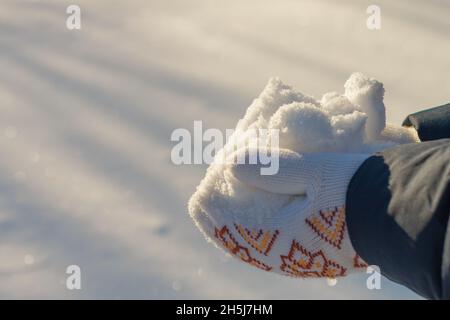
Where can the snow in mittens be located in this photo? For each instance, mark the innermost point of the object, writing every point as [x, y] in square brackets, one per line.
[352, 122]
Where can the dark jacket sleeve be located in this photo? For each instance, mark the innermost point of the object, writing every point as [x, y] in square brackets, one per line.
[431, 124]
[398, 206]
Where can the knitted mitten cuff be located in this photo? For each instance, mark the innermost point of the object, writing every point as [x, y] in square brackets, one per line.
[308, 236]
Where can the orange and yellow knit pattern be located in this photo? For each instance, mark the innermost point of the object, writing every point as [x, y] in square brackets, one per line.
[254, 245]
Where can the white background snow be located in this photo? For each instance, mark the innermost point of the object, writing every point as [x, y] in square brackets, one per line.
[86, 118]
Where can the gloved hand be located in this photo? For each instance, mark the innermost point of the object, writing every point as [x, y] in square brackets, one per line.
[307, 237]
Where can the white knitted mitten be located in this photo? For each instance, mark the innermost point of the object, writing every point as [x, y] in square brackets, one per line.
[307, 237]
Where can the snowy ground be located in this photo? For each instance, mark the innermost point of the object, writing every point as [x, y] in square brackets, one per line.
[86, 118]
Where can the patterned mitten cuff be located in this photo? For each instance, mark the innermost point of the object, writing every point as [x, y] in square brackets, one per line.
[306, 235]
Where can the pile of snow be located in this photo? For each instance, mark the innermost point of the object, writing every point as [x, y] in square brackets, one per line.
[353, 122]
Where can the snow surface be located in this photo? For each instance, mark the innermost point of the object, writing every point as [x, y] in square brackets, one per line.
[86, 118]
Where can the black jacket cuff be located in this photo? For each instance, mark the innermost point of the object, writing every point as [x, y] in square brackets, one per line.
[431, 124]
